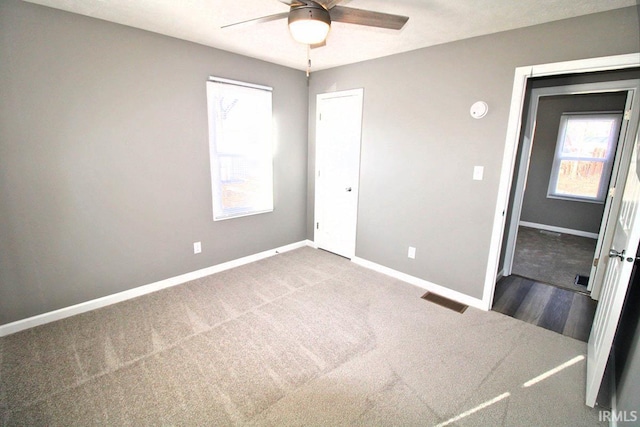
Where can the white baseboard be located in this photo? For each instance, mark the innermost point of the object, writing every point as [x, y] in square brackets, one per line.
[500, 275]
[559, 229]
[52, 316]
[424, 284]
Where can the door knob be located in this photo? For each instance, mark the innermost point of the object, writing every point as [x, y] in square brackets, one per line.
[615, 254]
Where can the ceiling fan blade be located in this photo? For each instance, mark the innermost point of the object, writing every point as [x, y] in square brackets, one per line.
[294, 3]
[259, 20]
[369, 18]
[329, 4]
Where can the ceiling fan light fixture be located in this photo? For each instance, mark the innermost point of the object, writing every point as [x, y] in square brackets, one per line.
[309, 24]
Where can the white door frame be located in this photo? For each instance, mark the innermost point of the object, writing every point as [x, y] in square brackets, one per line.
[354, 189]
[629, 86]
[522, 74]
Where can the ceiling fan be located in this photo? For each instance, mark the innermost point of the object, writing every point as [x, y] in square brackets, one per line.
[310, 20]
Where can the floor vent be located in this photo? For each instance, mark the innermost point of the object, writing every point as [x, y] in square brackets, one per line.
[581, 280]
[445, 302]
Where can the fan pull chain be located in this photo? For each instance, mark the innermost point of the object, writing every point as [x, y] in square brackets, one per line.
[308, 60]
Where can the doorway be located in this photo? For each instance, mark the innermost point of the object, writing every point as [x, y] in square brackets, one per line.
[556, 232]
[532, 200]
[522, 76]
[574, 140]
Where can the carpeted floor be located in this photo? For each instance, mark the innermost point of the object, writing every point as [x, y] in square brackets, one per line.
[552, 257]
[301, 338]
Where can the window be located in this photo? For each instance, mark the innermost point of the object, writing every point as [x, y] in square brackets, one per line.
[240, 148]
[584, 156]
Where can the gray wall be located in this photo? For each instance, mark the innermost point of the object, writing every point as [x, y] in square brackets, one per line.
[536, 207]
[104, 163]
[419, 143]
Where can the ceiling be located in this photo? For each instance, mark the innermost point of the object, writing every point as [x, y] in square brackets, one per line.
[431, 22]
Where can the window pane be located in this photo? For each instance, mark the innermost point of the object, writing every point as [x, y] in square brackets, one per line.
[588, 137]
[240, 149]
[584, 156]
[579, 178]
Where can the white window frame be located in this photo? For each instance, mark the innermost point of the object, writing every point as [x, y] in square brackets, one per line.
[607, 162]
[226, 149]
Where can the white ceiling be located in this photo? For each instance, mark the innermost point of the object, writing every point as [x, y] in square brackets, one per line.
[431, 22]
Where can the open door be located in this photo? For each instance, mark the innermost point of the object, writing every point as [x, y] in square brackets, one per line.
[621, 257]
[613, 204]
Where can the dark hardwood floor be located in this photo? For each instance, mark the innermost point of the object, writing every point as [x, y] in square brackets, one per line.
[560, 310]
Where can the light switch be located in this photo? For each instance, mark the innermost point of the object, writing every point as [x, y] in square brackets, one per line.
[478, 172]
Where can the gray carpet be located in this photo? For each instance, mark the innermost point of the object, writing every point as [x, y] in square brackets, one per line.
[301, 338]
[553, 258]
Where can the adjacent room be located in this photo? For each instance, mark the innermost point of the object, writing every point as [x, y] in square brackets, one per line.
[207, 222]
[559, 204]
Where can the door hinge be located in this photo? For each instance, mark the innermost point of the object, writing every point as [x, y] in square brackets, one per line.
[317, 226]
[320, 116]
[612, 191]
[627, 115]
[595, 262]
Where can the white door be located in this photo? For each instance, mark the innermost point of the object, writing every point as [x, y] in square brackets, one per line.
[616, 280]
[338, 130]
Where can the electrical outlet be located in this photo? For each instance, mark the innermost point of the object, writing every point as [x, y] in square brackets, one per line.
[197, 247]
[412, 252]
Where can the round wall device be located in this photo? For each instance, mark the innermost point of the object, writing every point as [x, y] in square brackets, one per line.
[479, 110]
